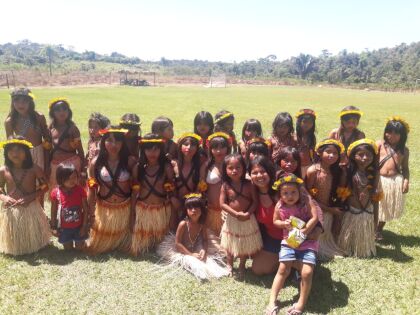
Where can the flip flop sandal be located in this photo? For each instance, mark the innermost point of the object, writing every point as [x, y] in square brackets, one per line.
[272, 310]
[293, 311]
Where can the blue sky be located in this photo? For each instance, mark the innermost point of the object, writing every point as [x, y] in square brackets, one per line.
[212, 30]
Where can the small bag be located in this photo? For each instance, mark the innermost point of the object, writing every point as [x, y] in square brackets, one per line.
[295, 238]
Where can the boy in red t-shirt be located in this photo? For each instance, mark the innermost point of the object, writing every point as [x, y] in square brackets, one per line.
[69, 201]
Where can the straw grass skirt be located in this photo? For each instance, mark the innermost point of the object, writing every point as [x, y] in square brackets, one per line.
[214, 220]
[150, 227]
[213, 267]
[110, 229]
[23, 229]
[392, 205]
[241, 238]
[75, 160]
[38, 156]
[328, 248]
[357, 237]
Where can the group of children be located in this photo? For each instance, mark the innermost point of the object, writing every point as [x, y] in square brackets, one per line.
[207, 198]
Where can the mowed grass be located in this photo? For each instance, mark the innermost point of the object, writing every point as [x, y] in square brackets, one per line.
[53, 281]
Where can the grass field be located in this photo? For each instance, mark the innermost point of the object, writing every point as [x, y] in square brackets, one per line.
[53, 281]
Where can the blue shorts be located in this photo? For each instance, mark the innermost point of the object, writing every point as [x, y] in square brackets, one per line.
[270, 244]
[67, 235]
[306, 256]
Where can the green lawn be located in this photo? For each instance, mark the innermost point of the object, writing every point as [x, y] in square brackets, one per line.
[53, 281]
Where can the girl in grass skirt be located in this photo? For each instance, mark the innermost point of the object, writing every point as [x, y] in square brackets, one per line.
[394, 172]
[357, 235]
[24, 226]
[151, 210]
[109, 193]
[240, 236]
[190, 248]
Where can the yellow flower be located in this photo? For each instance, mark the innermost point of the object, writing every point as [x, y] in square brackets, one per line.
[313, 192]
[135, 187]
[169, 187]
[92, 183]
[202, 186]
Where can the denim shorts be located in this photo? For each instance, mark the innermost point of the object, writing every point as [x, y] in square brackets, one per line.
[69, 235]
[307, 256]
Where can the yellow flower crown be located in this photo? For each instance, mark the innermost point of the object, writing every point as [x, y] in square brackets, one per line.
[306, 112]
[360, 142]
[351, 112]
[219, 134]
[333, 142]
[130, 122]
[16, 141]
[191, 135]
[287, 179]
[160, 140]
[260, 140]
[401, 120]
[193, 195]
[56, 100]
[30, 94]
[223, 117]
[116, 130]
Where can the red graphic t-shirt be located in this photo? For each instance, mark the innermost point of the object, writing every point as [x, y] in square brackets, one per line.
[69, 206]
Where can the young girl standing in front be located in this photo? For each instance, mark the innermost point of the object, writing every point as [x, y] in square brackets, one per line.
[69, 201]
[394, 171]
[305, 138]
[251, 129]
[164, 128]
[219, 146]
[189, 248]
[151, 211]
[66, 145]
[322, 181]
[357, 236]
[23, 224]
[282, 135]
[24, 121]
[240, 235]
[301, 257]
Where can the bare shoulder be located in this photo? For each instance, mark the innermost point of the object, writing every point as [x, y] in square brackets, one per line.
[312, 169]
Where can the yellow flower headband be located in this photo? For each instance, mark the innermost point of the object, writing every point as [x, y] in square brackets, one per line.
[219, 134]
[191, 135]
[287, 179]
[16, 141]
[401, 120]
[223, 117]
[115, 130]
[260, 140]
[306, 112]
[22, 93]
[350, 112]
[160, 140]
[56, 100]
[360, 142]
[333, 142]
[130, 122]
[193, 195]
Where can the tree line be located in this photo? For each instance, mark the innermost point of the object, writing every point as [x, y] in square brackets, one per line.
[396, 67]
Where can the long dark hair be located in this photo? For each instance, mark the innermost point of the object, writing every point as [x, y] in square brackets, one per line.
[196, 202]
[266, 164]
[102, 159]
[311, 133]
[130, 117]
[206, 118]
[100, 119]
[14, 114]
[284, 152]
[143, 162]
[221, 125]
[257, 147]
[214, 143]
[233, 156]
[283, 118]
[64, 104]
[398, 128]
[27, 162]
[195, 158]
[160, 124]
[252, 124]
[371, 169]
[335, 171]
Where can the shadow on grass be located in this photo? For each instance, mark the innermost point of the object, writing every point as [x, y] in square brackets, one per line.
[326, 294]
[58, 256]
[397, 241]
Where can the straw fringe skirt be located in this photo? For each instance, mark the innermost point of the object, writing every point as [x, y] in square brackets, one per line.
[241, 238]
[23, 229]
[111, 227]
[38, 156]
[328, 248]
[150, 227]
[213, 267]
[214, 220]
[392, 205]
[357, 236]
